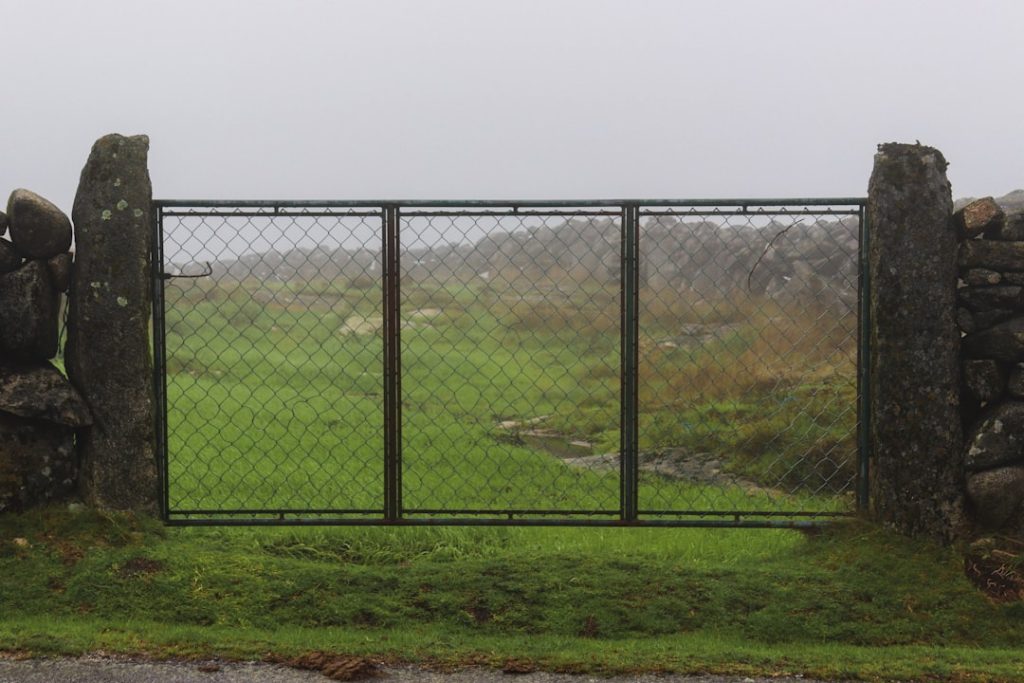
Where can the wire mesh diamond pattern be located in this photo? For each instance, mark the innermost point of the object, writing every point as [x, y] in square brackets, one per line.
[524, 391]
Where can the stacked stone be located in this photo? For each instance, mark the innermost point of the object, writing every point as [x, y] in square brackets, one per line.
[991, 316]
[39, 409]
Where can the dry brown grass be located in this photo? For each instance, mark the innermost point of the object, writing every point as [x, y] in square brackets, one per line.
[757, 347]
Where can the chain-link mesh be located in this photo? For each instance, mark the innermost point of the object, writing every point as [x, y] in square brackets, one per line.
[509, 358]
[273, 362]
[509, 373]
[748, 361]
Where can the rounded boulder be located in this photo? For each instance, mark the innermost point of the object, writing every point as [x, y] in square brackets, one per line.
[39, 230]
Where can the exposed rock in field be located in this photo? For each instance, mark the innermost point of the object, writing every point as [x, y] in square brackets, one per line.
[38, 228]
[790, 259]
[672, 463]
[374, 324]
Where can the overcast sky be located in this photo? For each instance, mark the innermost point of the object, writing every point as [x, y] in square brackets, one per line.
[454, 99]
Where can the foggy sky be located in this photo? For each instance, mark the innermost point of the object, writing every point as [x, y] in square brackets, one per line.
[459, 99]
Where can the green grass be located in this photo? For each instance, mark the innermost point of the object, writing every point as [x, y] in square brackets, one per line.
[851, 602]
[274, 403]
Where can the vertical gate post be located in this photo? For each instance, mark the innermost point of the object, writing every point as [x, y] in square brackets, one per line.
[863, 361]
[916, 475]
[392, 366]
[160, 357]
[630, 333]
[107, 353]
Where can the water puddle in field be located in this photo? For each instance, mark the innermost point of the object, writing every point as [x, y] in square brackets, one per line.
[672, 463]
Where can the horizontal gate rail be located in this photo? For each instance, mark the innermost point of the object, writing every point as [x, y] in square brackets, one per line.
[606, 363]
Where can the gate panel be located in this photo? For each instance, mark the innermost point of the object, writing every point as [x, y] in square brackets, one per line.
[748, 361]
[662, 362]
[273, 363]
[510, 357]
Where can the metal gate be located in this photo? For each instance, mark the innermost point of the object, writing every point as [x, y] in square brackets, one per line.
[643, 363]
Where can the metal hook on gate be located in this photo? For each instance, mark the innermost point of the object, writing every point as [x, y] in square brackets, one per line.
[207, 273]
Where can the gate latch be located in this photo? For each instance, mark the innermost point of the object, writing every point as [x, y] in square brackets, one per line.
[206, 273]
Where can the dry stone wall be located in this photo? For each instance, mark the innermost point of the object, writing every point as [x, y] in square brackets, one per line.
[93, 436]
[39, 409]
[990, 315]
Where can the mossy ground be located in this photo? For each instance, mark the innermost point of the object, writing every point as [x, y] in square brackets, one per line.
[851, 602]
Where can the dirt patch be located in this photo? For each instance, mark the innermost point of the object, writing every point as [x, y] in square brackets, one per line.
[335, 667]
[591, 629]
[139, 566]
[518, 666]
[997, 569]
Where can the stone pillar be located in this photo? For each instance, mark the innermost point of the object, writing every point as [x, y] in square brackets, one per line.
[108, 352]
[917, 470]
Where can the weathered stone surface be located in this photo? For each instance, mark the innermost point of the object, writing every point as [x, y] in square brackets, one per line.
[38, 228]
[28, 313]
[917, 475]
[997, 439]
[984, 380]
[993, 255]
[37, 463]
[3, 223]
[1011, 229]
[110, 291]
[41, 392]
[983, 320]
[1015, 382]
[996, 494]
[977, 217]
[981, 277]
[10, 259]
[964, 320]
[1003, 342]
[1012, 278]
[60, 271]
[1006, 297]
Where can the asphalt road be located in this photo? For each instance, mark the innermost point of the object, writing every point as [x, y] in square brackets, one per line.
[117, 670]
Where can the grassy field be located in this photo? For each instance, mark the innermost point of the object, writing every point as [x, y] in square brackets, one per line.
[275, 402]
[853, 602]
[275, 398]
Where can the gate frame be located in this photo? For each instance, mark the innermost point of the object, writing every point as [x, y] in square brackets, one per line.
[630, 267]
